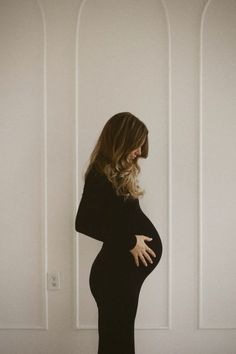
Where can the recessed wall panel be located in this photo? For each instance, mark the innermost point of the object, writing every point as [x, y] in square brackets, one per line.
[218, 168]
[22, 300]
[122, 65]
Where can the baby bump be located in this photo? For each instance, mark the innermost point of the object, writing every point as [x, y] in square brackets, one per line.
[145, 227]
[109, 262]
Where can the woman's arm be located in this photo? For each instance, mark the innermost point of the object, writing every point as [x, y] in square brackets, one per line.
[102, 215]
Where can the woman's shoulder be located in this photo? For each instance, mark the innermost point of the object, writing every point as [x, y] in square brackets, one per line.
[94, 172]
[94, 176]
[98, 181]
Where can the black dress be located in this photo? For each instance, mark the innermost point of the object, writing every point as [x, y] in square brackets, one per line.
[115, 280]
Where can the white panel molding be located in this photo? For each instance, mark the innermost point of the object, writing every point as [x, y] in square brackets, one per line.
[200, 173]
[76, 323]
[45, 154]
[44, 190]
[201, 324]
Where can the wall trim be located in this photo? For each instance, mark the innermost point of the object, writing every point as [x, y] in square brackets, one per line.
[45, 189]
[76, 324]
[200, 324]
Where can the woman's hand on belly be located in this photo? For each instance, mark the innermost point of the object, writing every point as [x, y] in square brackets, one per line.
[141, 250]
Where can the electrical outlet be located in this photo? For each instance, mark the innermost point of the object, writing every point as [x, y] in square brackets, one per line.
[54, 281]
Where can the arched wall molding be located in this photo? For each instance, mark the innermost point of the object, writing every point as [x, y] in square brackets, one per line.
[76, 241]
[201, 325]
[45, 189]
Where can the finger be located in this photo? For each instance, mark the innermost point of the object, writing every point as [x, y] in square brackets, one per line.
[143, 260]
[152, 252]
[148, 257]
[137, 261]
[148, 238]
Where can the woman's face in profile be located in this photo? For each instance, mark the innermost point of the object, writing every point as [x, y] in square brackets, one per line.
[135, 153]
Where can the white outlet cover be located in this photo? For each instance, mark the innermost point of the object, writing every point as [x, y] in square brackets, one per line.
[54, 281]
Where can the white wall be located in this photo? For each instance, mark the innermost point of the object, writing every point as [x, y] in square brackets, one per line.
[66, 67]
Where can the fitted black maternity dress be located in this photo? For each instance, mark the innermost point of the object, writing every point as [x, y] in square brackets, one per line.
[115, 280]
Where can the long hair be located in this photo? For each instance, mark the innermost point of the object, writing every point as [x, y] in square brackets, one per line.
[121, 134]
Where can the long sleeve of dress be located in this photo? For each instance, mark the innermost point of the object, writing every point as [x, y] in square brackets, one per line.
[103, 215]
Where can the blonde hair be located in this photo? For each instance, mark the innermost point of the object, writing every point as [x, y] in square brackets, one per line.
[121, 134]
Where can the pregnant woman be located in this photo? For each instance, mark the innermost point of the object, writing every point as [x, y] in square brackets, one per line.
[109, 211]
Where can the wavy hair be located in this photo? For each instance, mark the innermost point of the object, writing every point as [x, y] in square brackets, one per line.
[121, 134]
